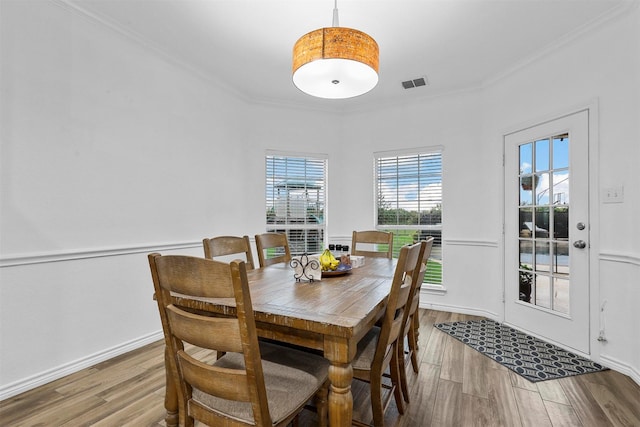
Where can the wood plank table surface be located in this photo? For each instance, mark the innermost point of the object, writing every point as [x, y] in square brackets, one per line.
[330, 315]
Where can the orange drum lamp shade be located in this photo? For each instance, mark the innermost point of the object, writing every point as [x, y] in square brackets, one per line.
[335, 63]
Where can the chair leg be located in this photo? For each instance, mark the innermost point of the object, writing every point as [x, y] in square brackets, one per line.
[321, 402]
[416, 325]
[413, 341]
[394, 367]
[403, 372]
[376, 400]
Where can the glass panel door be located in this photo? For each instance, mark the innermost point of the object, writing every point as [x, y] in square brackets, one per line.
[543, 215]
[546, 240]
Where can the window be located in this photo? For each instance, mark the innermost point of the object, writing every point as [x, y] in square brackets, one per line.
[409, 202]
[295, 199]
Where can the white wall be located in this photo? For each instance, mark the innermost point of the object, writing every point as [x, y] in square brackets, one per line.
[601, 67]
[286, 130]
[102, 135]
[471, 240]
[110, 151]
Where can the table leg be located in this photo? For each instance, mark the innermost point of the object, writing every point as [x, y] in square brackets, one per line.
[171, 394]
[340, 397]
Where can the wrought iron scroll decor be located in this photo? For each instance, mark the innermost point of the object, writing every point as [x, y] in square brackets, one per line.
[304, 268]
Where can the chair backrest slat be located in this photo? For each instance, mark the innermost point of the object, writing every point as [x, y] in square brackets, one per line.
[222, 334]
[193, 276]
[221, 246]
[277, 241]
[228, 383]
[369, 238]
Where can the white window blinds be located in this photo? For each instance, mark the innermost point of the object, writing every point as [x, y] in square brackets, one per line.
[409, 201]
[295, 199]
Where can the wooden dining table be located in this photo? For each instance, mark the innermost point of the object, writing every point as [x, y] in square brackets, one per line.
[330, 315]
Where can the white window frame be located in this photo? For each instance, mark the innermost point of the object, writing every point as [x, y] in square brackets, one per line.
[437, 288]
[289, 221]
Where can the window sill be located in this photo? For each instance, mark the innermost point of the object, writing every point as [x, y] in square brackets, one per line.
[433, 289]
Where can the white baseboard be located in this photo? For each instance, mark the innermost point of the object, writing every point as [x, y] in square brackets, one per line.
[462, 310]
[623, 368]
[45, 377]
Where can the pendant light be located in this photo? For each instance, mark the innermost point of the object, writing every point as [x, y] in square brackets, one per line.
[335, 62]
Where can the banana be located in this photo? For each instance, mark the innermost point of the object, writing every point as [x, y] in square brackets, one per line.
[325, 260]
[328, 262]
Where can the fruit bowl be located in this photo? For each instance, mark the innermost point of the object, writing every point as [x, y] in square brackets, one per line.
[342, 269]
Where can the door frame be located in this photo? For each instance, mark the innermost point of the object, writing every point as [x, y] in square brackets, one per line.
[591, 107]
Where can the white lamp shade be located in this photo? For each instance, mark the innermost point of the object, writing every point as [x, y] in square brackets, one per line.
[335, 78]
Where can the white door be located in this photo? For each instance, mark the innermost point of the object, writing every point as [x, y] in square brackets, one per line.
[547, 231]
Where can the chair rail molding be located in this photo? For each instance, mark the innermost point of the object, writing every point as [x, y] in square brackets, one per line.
[620, 257]
[72, 255]
[471, 242]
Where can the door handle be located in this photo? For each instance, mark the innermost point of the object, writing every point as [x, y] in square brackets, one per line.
[580, 244]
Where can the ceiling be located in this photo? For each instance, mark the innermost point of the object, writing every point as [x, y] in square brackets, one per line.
[458, 45]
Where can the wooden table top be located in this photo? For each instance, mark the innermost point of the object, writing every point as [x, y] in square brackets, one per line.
[342, 306]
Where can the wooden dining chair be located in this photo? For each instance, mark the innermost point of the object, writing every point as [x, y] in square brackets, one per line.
[253, 384]
[372, 243]
[228, 245]
[378, 349]
[411, 323]
[276, 242]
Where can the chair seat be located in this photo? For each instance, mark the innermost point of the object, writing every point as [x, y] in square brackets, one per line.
[366, 350]
[291, 377]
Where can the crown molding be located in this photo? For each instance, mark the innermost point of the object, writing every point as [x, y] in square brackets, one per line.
[75, 6]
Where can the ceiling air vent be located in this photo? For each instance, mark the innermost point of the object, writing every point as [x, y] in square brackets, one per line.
[421, 81]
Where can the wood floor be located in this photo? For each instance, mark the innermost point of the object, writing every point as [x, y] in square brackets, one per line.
[456, 386]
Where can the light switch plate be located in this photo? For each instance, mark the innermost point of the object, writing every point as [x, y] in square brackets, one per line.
[613, 195]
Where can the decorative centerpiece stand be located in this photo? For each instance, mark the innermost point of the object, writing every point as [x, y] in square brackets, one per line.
[305, 268]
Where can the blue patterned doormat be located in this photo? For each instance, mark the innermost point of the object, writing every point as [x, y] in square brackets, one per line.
[527, 356]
